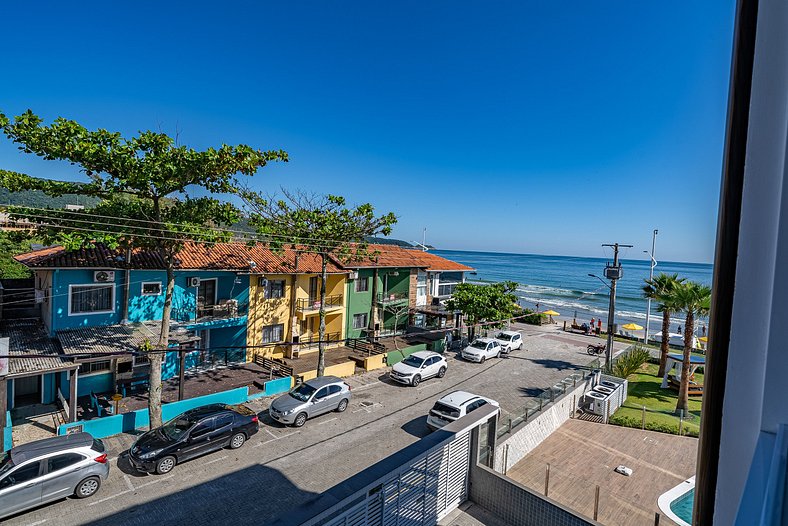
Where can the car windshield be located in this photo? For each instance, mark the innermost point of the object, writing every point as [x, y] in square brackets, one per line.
[302, 392]
[502, 336]
[174, 429]
[446, 410]
[479, 345]
[413, 361]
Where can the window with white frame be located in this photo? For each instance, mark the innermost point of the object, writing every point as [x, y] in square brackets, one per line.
[273, 333]
[362, 284]
[275, 288]
[360, 320]
[151, 288]
[103, 366]
[91, 299]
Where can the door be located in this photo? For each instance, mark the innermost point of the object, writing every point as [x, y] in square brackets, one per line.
[206, 297]
[223, 430]
[199, 441]
[314, 290]
[27, 390]
[63, 473]
[431, 368]
[21, 488]
[320, 402]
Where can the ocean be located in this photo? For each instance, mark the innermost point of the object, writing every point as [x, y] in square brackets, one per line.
[562, 283]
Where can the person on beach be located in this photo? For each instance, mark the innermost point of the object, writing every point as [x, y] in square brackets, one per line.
[592, 324]
[679, 329]
[704, 331]
[598, 326]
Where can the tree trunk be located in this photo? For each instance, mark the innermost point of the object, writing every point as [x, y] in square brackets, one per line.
[160, 350]
[321, 351]
[664, 345]
[682, 406]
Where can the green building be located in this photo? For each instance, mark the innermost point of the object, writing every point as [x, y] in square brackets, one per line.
[378, 300]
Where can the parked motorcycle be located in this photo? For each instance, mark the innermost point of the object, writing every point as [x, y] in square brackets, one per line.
[596, 350]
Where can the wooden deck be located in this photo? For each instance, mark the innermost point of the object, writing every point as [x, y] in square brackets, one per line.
[583, 455]
[308, 362]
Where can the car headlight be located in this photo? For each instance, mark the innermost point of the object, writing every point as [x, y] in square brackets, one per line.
[150, 454]
[288, 412]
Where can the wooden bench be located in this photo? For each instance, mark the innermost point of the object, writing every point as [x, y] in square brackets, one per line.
[693, 389]
[275, 368]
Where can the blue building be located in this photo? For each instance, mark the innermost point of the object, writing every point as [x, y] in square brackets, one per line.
[97, 304]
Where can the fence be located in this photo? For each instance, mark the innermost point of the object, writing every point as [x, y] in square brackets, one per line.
[642, 417]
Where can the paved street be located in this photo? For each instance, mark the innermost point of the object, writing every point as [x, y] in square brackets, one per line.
[282, 467]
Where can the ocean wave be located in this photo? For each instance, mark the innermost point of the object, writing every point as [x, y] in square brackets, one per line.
[554, 291]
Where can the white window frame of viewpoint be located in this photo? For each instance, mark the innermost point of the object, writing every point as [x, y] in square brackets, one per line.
[95, 285]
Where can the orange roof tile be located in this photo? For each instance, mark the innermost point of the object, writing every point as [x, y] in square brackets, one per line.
[397, 256]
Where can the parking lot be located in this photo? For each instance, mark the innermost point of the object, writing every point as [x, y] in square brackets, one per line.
[282, 467]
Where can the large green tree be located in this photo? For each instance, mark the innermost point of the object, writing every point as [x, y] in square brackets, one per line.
[323, 225]
[481, 303]
[694, 299]
[145, 184]
[661, 289]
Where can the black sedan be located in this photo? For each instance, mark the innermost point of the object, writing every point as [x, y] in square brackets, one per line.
[194, 433]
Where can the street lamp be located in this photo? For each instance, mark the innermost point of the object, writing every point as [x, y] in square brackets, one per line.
[650, 277]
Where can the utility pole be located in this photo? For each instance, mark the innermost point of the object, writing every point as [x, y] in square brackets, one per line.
[613, 273]
[650, 277]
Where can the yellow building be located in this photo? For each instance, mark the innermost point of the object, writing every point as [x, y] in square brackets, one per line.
[284, 305]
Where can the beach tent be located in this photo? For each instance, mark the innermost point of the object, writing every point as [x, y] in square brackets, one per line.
[676, 361]
[676, 339]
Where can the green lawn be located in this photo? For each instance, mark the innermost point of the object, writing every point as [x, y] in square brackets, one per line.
[644, 390]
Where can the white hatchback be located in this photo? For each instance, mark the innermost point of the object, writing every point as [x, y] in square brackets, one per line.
[453, 406]
[510, 340]
[481, 349]
[419, 366]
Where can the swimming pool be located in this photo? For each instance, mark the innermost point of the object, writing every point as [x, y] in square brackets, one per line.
[677, 503]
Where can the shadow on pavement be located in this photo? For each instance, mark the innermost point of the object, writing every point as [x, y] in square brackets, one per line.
[417, 427]
[253, 495]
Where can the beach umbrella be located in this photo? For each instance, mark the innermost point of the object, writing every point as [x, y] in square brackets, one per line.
[704, 338]
[632, 327]
[551, 313]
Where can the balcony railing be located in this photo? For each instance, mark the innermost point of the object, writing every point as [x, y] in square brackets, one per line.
[223, 310]
[392, 297]
[313, 304]
[312, 342]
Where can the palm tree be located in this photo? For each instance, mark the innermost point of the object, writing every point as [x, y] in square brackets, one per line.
[694, 299]
[660, 289]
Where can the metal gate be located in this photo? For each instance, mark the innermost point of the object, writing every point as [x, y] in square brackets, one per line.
[421, 494]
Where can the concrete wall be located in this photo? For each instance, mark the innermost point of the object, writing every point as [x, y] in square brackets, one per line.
[342, 370]
[517, 505]
[529, 435]
[393, 357]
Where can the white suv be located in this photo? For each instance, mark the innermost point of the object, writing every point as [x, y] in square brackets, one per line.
[419, 366]
[481, 349]
[509, 340]
[453, 406]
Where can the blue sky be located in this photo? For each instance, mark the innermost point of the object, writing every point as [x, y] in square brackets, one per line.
[531, 127]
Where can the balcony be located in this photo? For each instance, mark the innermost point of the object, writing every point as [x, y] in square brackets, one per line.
[226, 313]
[390, 298]
[311, 305]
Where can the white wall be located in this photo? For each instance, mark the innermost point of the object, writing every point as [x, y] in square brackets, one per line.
[758, 363]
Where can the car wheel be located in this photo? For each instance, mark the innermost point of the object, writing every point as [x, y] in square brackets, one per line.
[442, 372]
[416, 380]
[342, 405]
[300, 420]
[87, 488]
[237, 440]
[165, 465]
[481, 360]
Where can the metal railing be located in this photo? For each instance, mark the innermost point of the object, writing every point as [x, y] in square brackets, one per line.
[330, 338]
[312, 304]
[392, 297]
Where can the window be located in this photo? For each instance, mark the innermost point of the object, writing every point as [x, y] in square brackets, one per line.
[95, 367]
[275, 288]
[91, 299]
[224, 420]
[202, 428]
[446, 289]
[362, 284]
[273, 333]
[322, 393]
[473, 406]
[334, 389]
[360, 320]
[63, 461]
[24, 474]
[151, 288]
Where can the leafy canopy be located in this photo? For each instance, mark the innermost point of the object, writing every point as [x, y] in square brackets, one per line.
[481, 303]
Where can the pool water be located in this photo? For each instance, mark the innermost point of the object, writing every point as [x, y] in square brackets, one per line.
[682, 506]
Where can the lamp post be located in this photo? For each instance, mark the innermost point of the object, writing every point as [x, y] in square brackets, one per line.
[650, 277]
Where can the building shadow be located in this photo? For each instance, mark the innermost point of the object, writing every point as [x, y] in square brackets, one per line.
[253, 495]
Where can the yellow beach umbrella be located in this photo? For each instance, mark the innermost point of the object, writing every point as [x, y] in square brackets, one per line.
[704, 338]
[551, 313]
[632, 327]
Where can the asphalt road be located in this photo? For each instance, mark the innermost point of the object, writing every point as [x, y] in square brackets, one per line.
[282, 467]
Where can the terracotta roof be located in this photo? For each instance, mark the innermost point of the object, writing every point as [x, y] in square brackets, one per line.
[221, 256]
[436, 263]
[29, 337]
[113, 339]
[396, 256]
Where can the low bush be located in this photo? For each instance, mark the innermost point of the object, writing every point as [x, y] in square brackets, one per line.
[628, 364]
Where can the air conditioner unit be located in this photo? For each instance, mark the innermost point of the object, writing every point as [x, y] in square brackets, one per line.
[262, 282]
[104, 276]
[193, 282]
[353, 275]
